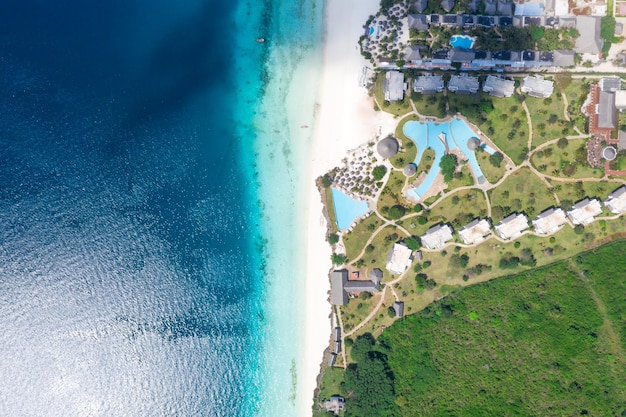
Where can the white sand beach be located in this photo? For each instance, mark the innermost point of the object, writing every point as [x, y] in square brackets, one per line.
[345, 119]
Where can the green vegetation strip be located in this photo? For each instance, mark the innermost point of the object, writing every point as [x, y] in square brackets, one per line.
[546, 342]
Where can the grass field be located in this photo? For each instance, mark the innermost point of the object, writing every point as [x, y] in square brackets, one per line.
[355, 240]
[540, 343]
[505, 125]
[492, 174]
[547, 118]
[522, 191]
[571, 192]
[375, 256]
[433, 105]
[426, 162]
[392, 192]
[459, 208]
[576, 92]
[408, 150]
[567, 162]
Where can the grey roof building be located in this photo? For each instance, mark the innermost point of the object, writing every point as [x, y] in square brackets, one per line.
[512, 226]
[473, 5]
[537, 86]
[398, 307]
[418, 22]
[563, 57]
[410, 169]
[437, 236]
[463, 84]
[567, 21]
[607, 113]
[491, 6]
[394, 86]
[428, 84]
[338, 279]
[447, 5]
[335, 404]
[585, 211]
[420, 5]
[461, 55]
[549, 221]
[505, 8]
[610, 84]
[616, 202]
[387, 147]
[376, 276]
[412, 54]
[499, 87]
[332, 359]
[355, 286]
[589, 41]
[337, 334]
[337, 347]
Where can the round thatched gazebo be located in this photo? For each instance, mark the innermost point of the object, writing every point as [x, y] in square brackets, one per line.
[410, 170]
[387, 147]
[609, 153]
[473, 143]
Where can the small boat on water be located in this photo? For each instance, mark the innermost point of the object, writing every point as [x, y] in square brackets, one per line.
[304, 127]
[260, 40]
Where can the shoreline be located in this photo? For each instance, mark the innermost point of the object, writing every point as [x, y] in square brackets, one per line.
[344, 119]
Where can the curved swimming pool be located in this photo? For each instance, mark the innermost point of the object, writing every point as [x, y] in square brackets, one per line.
[347, 209]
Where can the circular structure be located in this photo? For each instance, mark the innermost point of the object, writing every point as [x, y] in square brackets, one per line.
[609, 153]
[473, 143]
[387, 147]
[410, 170]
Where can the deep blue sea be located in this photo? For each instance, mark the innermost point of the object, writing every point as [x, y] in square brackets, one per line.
[133, 255]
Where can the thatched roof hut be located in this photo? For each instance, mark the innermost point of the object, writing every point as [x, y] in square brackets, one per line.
[387, 147]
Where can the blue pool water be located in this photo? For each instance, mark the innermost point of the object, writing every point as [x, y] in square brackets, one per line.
[426, 135]
[462, 41]
[347, 209]
[372, 30]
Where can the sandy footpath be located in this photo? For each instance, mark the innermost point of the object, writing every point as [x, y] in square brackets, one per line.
[345, 118]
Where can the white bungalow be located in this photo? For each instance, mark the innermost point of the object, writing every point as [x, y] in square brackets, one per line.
[549, 221]
[512, 226]
[399, 259]
[585, 211]
[475, 231]
[616, 203]
[437, 236]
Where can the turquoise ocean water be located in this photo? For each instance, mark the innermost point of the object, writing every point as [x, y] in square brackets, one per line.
[149, 206]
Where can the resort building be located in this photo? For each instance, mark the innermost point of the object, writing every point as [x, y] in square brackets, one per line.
[394, 86]
[335, 404]
[563, 58]
[505, 8]
[428, 84]
[610, 84]
[549, 221]
[475, 231]
[399, 259]
[606, 111]
[498, 86]
[341, 286]
[437, 236]
[398, 307]
[537, 86]
[337, 334]
[512, 226]
[463, 84]
[585, 211]
[420, 5]
[447, 5]
[332, 359]
[418, 22]
[412, 54]
[590, 41]
[338, 296]
[616, 203]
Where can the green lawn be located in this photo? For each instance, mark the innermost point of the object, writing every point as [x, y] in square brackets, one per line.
[462, 178]
[426, 162]
[547, 118]
[375, 256]
[567, 162]
[523, 192]
[408, 150]
[492, 174]
[459, 208]
[505, 124]
[330, 209]
[571, 192]
[576, 93]
[392, 192]
[355, 240]
[433, 105]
